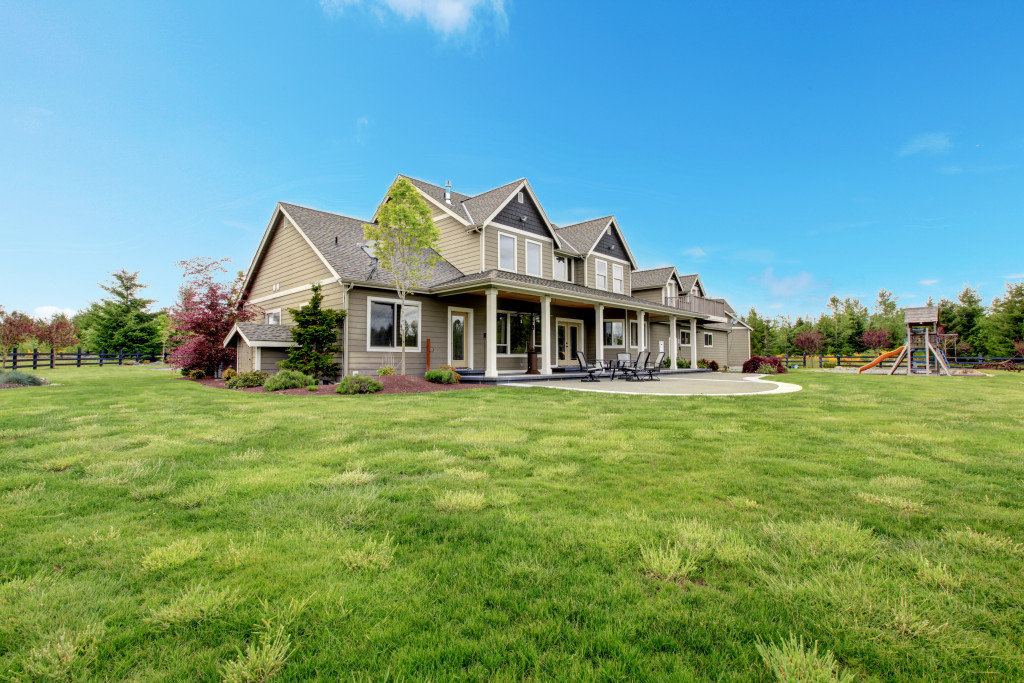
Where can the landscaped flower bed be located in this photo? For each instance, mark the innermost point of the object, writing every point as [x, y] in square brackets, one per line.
[393, 384]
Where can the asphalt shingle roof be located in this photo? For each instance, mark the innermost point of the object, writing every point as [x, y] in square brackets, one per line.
[483, 205]
[688, 281]
[262, 332]
[344, 253]
[437, 193]
[583, 236]
[652, 278]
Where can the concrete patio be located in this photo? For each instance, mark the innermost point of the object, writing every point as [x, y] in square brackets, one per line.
[702, 384]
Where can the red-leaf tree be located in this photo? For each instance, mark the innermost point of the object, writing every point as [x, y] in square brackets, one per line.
[876, 339]
[57, 332]
[15, 329]
[1018, 348]
[809, 342]
[205, 312]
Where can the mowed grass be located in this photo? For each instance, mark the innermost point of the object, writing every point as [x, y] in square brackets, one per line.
[866, 528]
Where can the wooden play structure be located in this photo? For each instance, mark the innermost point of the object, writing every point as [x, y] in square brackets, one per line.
[924, 351]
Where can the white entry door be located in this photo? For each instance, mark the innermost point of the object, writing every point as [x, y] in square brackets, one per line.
[460, 338]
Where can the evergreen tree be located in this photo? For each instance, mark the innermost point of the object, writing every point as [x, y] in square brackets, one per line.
[965, 317]
[760, 334]
[887, 315]
[123, 321]
[316, 334]
[1005, 322]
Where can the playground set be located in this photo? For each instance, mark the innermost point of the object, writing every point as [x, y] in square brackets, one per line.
[925, 348]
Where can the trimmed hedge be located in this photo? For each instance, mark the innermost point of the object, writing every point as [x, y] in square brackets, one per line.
[247, 380]
[442, 376]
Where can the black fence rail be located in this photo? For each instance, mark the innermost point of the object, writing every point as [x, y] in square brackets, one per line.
[35, 359]
[858, 360]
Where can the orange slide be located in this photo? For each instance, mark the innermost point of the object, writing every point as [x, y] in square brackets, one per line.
[887, 354]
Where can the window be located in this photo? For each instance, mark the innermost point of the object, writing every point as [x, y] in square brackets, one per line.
[388, 320]
[561, 269]
[518, 332]
[634, 333]
[708, 339]
[684, 338]
[533, 252]
[601, 274]
[506, 252]
[272, 317]
[520, 197]
[617, 278]
[613, 333]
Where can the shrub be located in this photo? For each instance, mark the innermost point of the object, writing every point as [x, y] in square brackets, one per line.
[828, 364]
[442, 376]
[451, 369]
[357, 384]
[311, 387]
[229, 373]
[197, 374]
[682, 363]
[247, 380]
[185, 371]
[703, 363]
[754, 363]
[767, 369]
[713, 365]
[22, 378]
[287, 379]
[128, 362]
[385, 370]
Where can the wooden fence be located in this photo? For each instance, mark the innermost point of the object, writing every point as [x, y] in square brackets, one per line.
[857, 360]
[55, 359]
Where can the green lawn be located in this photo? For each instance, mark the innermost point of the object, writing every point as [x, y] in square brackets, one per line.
[153, 529]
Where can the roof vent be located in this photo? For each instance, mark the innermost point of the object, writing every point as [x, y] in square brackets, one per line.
[448, 192]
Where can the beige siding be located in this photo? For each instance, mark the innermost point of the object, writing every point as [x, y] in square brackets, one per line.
[243, 356]
[491, 251]
[288, 261]
[333, 298]
[591, 276]
[433, 324]
[654, 295]
[719, 351]
[459, 247]
[270, 357]
[739, 346]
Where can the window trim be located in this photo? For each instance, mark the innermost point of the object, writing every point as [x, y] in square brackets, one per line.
[469, 334]
[604, 339]
[598, 262]
[688, 341]
[540, 258]
[370, 300]
[621, 278]
[634, 340]
[270, 311]
[515, 252]
[709, 340]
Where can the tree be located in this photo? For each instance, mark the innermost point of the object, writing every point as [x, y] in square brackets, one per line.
[57, 332]
[1005, 322]
[123, 321]
[15, 329]
[316, 334]
[810, 342]
[964, 317]
[205, 312]
[886, 314]
[404, 242]
[876, 339]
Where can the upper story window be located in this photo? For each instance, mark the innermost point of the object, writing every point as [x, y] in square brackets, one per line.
[600, 274]
[272, 317]
[388, 321]
[617, 278]
[506, 252]
[520, 197]
[533, 254]
[561, 268]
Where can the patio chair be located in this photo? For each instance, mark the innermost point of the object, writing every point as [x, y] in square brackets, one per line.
[622, 363]
[654, 368]
[593, 370]
[638, 366]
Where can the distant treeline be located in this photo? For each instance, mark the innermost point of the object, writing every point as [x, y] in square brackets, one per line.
[849, 327]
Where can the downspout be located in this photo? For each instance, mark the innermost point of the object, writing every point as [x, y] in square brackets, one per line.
[344, 327]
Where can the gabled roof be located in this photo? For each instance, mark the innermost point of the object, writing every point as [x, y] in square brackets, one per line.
[687, 282]
[437, 194]
[350, 262]
[583, 237]
[653, 278]
[259, 334]
[486, 204]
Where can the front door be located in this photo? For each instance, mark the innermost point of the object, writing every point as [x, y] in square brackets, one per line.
[458, 355]
[570, 340]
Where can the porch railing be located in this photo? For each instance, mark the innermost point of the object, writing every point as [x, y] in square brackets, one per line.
[697, 304]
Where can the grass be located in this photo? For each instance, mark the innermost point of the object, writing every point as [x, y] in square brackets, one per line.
[867, 528]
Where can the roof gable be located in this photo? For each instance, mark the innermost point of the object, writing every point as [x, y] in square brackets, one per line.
[653, 278]
[593, 236]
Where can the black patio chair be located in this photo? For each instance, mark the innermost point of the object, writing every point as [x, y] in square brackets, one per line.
[593, 370]
[637, 368]
[623, 363]
[654, 368]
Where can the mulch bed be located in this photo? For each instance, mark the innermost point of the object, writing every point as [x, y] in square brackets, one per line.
[393, 384]
[10, 386]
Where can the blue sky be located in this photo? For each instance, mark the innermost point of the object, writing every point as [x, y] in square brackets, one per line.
[786, 151]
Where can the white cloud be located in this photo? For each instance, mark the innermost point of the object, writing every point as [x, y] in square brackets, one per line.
[775, 306]
[956, 170]
[1018, 276]
[444, 16]
[695, 252]
[929, 143]
[929, 282]
[787, 286]
[50, 311]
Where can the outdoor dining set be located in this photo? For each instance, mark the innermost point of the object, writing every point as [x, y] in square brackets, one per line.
[638, 369]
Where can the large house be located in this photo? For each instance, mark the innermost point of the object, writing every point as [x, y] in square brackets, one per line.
[509, 281]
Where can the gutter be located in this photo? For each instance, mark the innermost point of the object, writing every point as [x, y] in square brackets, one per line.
[345, 289]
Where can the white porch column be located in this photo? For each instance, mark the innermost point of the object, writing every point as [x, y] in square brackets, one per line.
[673, 343]
[545, 335]
[641, 333]
[491, 343]
[599, 331]
[693, 342]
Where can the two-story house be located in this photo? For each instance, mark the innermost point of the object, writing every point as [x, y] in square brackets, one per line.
[509, 281]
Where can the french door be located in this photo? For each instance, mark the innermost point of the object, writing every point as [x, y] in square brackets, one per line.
[569, 341]
[460, 331]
